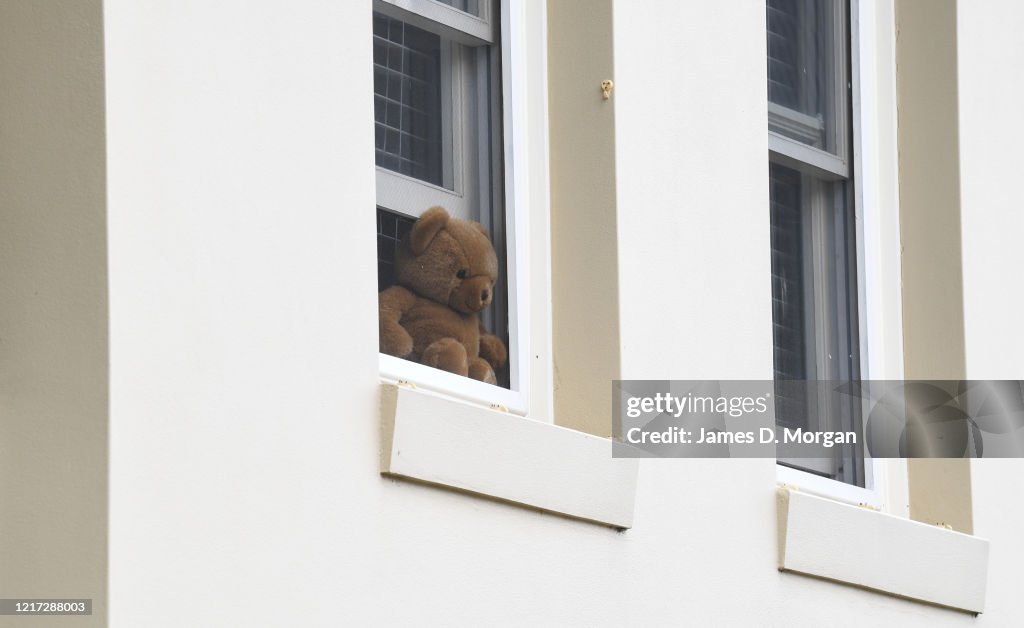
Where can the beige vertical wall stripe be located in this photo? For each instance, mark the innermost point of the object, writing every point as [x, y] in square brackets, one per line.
[53, 307]
[583, 224]
[940, 492]
[926, 65]
[933, 320]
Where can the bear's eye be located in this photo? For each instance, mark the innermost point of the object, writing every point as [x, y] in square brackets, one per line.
[462, 273]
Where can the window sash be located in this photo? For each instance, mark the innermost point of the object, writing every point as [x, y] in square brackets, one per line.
[460, 26]
[807, 159]
[820, 299]
[832, 124]
[461, 155]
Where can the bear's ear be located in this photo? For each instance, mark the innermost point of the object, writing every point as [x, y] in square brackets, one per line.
[423, 232]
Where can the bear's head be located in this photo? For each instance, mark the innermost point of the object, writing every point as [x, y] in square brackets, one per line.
[448, 260]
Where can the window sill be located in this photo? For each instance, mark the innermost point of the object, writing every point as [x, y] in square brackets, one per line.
[824, 538]
[807, 482]
[394, 370]
[442, 441]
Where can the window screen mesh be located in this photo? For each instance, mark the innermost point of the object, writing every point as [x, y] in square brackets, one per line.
[407, 99]
[391, 228]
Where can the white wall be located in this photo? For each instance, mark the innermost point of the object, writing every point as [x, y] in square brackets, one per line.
[244, 484]
[243, 326]
[692, 180]
[992, 224]
[992, 215]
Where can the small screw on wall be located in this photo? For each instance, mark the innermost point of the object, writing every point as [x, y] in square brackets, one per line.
[606, 88]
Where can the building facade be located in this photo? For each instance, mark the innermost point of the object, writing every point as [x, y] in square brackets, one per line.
[196, 415]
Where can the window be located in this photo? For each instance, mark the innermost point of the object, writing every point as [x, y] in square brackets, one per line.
[813, 226]
[440, 138]
[440, 439]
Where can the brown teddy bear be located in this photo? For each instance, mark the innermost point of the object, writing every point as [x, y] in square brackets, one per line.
[445, 269]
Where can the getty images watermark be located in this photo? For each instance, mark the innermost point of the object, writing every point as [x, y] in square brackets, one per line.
[818, 419]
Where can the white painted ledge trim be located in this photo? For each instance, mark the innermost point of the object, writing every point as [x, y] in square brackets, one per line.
[863, 547]
[443, 441]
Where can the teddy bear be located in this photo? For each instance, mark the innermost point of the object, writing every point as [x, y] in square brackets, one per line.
[445, 269]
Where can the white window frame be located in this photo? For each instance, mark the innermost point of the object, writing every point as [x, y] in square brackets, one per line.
[459, 25]
[878, 311]
[825, 165]
[515, 399]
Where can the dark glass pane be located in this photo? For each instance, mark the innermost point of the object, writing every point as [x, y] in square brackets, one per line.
[814, 311]
[790, 289]
[805, 57]
[407, 99]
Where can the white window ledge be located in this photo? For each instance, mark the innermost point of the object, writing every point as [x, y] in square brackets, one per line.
[824, 538]
[443, 441]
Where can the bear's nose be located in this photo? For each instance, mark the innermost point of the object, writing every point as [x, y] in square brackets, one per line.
[484, 295]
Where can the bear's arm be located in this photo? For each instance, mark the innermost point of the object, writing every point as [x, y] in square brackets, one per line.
[492, 349]
[392, 303]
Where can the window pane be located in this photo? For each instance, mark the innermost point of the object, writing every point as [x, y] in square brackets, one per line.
[791, 303]
[806, 65]
[814, 310]
[788, 281]
[469, 6]
[407, 99]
